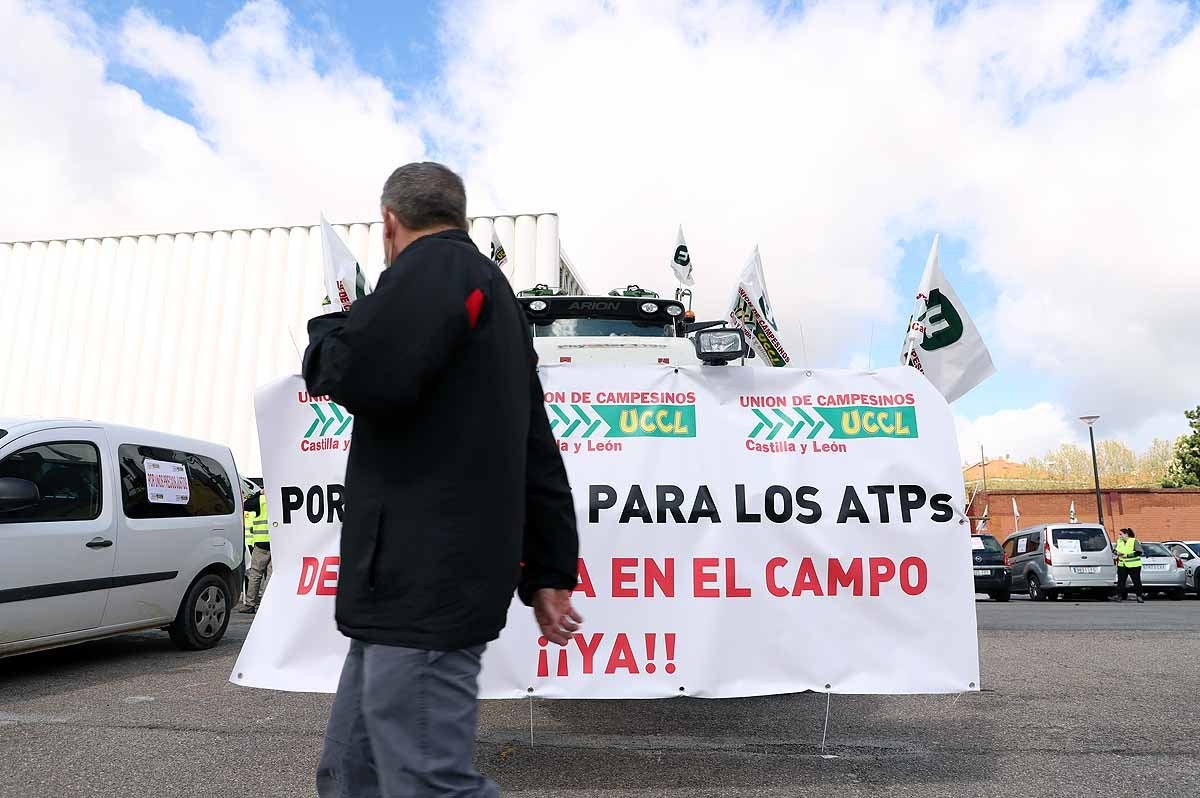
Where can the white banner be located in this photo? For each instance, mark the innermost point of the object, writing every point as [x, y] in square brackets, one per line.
[742, 532]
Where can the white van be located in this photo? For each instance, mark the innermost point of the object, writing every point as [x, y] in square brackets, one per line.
[107, 529]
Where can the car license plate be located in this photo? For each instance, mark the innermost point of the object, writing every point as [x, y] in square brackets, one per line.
[982, 572]
[1086, 569]
[1156, 567]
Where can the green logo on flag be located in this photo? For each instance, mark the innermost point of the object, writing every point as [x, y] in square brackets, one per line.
[941, 321]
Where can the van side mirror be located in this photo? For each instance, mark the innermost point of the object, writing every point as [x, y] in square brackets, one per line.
[17, 494]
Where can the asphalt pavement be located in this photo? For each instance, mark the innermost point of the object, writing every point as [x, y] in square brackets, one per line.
[1078, 699]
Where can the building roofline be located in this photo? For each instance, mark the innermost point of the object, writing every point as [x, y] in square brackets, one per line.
[1083, 491]
[252, 229]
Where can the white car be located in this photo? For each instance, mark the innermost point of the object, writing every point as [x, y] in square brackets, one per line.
[107, 529]
[1188, 552]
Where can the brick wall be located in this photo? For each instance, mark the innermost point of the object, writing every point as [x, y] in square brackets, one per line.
[1153, 514]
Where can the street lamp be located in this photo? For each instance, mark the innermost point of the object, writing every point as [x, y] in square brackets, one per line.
[1091, 421]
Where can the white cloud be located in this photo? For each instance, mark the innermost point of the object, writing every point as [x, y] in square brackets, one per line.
[1056, 139]
[276, 138]
[1021, 433]
[1017, 434]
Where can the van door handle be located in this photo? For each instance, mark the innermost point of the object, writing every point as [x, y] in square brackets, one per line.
[98, 543]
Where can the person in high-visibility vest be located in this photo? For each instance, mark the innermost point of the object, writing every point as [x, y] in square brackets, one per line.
[260, 558]
[1129, 563]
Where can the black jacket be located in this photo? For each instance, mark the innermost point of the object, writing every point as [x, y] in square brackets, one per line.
[454, 478]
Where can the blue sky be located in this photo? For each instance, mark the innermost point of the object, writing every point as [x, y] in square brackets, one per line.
[397, 41]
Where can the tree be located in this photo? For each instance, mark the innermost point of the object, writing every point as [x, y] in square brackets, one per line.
[1185, 467]
[1154, 465]
[1117, 462]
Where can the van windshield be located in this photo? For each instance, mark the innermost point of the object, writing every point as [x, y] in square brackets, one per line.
[1080, 539]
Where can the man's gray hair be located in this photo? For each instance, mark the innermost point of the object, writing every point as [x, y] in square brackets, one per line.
[426, 194]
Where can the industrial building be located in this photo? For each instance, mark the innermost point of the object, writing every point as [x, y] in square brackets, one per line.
[173, 331]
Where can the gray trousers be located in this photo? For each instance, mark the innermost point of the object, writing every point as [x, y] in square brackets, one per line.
[257, 575]
[403, 725]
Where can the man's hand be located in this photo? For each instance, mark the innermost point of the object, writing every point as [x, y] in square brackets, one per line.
[555, 615]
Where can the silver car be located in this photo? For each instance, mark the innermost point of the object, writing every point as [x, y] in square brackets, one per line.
[1188, 552]
[1050, 560]
[1162, 571]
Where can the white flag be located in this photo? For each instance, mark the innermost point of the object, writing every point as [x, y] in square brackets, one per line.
[1016, 512]
[681, 261]
[1074, 518]
[983, 522]
[344, 278]
[751, 311]
[942, 341]
[499, 254]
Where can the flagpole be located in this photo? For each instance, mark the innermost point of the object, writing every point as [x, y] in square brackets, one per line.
[910, 340]
[983, 465]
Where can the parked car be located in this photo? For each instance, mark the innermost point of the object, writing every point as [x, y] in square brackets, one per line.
[107, 529]
[1050, 560]
[1162, 571]
[991, 567]
[1188, 553]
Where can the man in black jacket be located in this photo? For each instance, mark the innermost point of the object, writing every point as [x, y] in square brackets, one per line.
[455, 496]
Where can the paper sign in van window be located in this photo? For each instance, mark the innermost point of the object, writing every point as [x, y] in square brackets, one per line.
[977, 544]
[1022, 544]
[166, 483]
[1066, 544]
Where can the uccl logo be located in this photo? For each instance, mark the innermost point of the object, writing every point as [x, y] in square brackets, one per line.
[623, 421]
[331, 425]
[781, 418]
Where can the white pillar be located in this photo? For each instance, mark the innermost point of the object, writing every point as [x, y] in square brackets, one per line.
[546, 251]
[523, 254]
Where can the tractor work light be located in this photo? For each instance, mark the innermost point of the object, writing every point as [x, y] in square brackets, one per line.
[718, 347]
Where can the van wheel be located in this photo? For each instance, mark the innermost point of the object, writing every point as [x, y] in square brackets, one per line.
[203, 614]
[1000, 595]
[1035, 589]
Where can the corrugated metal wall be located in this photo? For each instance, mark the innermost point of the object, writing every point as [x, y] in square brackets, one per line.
[173, 331]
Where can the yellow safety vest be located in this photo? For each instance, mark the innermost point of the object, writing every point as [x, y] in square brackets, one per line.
[260, 531]
[248, 527]
[1126, 556]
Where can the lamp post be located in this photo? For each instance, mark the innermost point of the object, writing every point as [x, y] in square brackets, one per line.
[1091, 421]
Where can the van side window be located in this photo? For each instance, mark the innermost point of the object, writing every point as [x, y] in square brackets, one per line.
[1035, 541]
[1010, 547]
[180, 485]
[68, 478]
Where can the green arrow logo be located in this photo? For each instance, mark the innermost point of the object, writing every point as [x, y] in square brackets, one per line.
[336, 416]
[794, 422]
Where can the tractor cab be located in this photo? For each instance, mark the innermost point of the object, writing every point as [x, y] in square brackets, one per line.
[629, 326]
